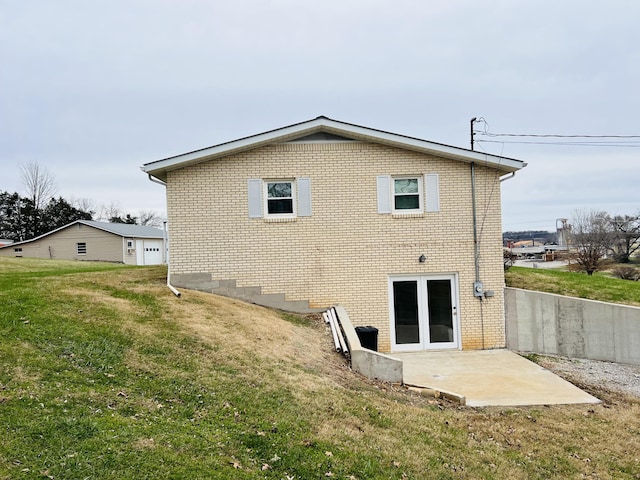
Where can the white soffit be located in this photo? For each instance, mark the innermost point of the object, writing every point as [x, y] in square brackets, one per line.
[160, 168]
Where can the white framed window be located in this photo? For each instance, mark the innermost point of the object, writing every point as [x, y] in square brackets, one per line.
[407, 195]
[81, 248]
[130, 244]
[286, 198]
[279, 198]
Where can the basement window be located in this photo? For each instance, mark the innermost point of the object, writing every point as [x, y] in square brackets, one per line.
[81, 248]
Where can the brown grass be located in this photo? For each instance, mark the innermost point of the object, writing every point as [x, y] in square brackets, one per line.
[385, 421]
[584, 438]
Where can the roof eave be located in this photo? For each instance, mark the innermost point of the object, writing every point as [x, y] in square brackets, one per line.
[159, 168]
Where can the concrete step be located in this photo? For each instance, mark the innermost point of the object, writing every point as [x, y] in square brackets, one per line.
[251, 294]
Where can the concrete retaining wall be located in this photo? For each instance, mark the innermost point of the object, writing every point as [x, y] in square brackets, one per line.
[573, 327]
[366, 362]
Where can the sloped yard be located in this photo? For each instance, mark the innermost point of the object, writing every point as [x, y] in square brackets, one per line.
[105, 374]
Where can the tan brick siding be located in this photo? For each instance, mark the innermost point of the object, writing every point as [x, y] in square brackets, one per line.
[345, 252]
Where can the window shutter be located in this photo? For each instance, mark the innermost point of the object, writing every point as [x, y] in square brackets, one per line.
[432, 192]
[255, 197]
[304, 196]
[384, 194]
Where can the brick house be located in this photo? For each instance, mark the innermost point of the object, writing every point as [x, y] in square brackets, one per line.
[404, 233]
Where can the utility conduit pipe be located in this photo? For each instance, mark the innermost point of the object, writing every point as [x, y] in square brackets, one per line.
[327, 319]
[336, 322]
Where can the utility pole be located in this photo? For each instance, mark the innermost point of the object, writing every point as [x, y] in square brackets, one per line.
[473, 120]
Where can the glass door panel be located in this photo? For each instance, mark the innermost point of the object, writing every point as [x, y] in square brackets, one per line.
[405, 310]
[440, 311]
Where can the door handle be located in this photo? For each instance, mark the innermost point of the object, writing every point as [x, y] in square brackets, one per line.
[455, 311]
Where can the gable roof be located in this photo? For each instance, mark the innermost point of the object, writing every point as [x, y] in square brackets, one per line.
[120, 229]
[332, 129]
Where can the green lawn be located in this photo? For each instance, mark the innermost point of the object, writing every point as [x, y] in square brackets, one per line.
[105, 374]
[599, 286]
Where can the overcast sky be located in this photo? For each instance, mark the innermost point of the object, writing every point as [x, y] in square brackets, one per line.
[91, 90]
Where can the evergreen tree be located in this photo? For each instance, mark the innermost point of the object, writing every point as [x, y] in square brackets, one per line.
[21, 220]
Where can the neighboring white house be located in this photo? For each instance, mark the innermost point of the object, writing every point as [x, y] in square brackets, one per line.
[89, 240]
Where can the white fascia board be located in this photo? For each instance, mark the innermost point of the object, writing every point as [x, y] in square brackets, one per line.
[159, 168]
[469, 156]
[229, 148]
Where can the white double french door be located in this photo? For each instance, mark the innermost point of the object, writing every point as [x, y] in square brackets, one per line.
[424, 312]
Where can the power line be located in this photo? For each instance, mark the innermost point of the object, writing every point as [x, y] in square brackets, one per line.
[584, 144]
[547, 135]
[625, 141]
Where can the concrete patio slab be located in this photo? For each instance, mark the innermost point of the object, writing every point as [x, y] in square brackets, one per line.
[489, 378]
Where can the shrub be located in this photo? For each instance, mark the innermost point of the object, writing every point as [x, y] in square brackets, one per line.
[508, 259]
[626, 272]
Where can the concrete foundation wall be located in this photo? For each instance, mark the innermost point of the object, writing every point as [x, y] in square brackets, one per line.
[573, 327]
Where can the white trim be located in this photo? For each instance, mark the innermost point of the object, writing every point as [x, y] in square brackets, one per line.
[407, 211]
[423, 343]
[160, 168]
[139, 252]
[266, 198]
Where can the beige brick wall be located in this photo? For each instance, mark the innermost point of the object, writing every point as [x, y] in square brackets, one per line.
[345, 252]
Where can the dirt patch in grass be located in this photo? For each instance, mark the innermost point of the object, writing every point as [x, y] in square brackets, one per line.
[226, 387]
[123, 306]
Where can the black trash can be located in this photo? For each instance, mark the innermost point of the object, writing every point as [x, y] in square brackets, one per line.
[368, 337]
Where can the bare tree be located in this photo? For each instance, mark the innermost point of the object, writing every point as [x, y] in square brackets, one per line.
[626, 230]
[149, 218]
[591, 236]
[39, 183]
[109, 211]
[84, 204]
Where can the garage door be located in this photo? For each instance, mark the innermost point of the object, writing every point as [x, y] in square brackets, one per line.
[151, 252]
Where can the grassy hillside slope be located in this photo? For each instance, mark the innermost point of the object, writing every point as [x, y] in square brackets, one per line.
[599, 286]
[105, 374]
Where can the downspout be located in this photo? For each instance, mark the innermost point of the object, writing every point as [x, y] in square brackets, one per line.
[169, 286]
[164, 246]
[155, 180]
[507, 177]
